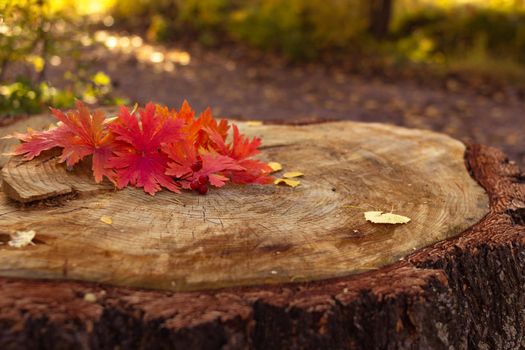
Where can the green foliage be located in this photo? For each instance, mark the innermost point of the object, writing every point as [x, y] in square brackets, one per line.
[91, 88]
[23, 96]
[33, 34]
[158, 30]
[297, 28]
[422, 31]
[277, 25]
[207, 18]
[463, 31]
[486, 36]
[166, 19]
[19, 28]
[436, 32]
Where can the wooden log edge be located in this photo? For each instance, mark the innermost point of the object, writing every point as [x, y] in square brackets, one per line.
[465, 292]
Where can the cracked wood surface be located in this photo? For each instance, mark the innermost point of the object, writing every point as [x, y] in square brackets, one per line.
[463, 293]
[246, 235]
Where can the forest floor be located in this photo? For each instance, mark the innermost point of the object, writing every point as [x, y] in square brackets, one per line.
[245, 86]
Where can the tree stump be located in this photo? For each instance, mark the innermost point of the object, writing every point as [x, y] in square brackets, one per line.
[271, 266]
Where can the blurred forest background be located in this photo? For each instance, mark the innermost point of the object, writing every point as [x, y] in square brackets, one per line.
[456, 66]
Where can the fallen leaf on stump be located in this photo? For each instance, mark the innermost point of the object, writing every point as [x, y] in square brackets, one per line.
[292, 174]
[378, 217]
[287, 182]
[20, 239]
[275, 166]
[152, 148]
[106, 219]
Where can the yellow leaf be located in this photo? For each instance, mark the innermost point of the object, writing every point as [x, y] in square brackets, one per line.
[291, 183]
[36, 61]
[378, 217]
[254, 123]
[106, 219]
[101, 79]
[20, 239]
[292, 174]
[275, 166]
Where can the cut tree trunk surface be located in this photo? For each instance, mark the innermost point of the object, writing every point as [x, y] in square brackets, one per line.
[467, 291]
[245, 235]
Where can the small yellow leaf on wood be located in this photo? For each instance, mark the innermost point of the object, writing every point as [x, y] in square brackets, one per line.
[292, 174]
[291, 183]
[106, 219]
[254, 123]
[20, 239]
[378, 217]
[275, 166]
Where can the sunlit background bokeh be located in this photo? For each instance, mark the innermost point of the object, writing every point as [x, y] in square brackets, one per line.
[456, 66]
[486, 36]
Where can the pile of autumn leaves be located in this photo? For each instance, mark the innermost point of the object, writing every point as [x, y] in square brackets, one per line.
[152, 148]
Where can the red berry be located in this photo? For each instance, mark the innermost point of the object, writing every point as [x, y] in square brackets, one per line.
[203, 189]
[196, 166]
[195, 185]
[203, 179]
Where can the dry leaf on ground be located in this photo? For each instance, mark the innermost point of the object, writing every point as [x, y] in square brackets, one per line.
[292, 174]
[287, 182]
[378, 217]
[106, 219]
[275, 166]
[20, 239]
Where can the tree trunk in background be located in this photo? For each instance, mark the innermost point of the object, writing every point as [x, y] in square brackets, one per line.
[380, 15]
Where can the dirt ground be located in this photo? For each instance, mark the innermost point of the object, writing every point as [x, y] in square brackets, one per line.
[267, 88]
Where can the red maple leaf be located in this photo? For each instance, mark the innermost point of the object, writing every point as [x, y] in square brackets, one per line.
[208, 126]
[191, 126]
[157, 148]
[188, 165]
[240, 149]
[186, 113]
[254, 171]
[35, 142]
[139, 160]
[80, 134]
[86, 134]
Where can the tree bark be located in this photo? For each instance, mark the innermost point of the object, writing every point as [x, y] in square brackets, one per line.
[380, 16]
[467, 291]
